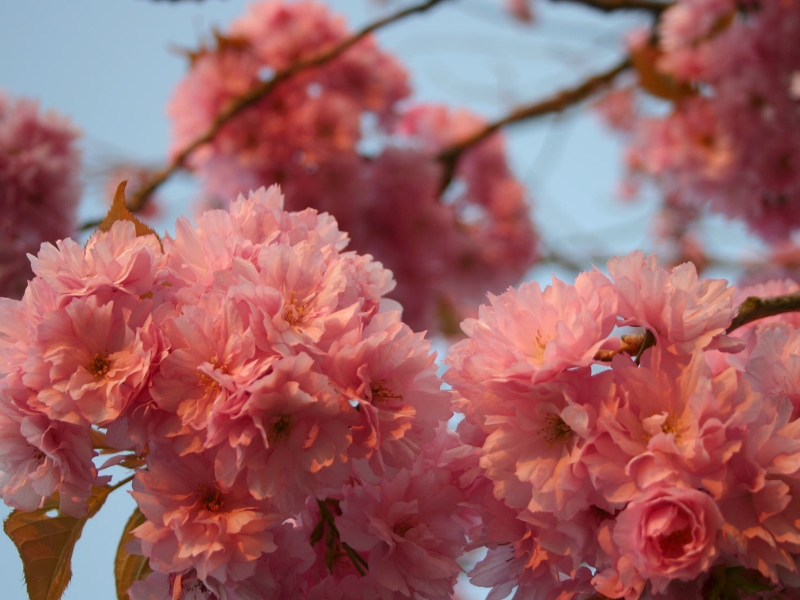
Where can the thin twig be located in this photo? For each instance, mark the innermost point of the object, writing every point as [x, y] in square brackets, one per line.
[652, 6]
[556, 103]
[122, 482]
[259, 92]
[754, 308]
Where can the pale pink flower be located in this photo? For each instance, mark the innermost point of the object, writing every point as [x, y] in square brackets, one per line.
[671, 422]
[388, 372]
[90, 360]
[111, 262]
[39, 186]
[761, 508]
[773, 366]
[683, 312]
[534, 457]
[212, 356]
[310, 118]
[740, 58]
[194, 521]
[40, 456]
[288, 436]
[529, 335]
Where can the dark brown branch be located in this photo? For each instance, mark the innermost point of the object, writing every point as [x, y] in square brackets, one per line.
[556, 103]
[652, 6]
[754, 308]
[138, 200]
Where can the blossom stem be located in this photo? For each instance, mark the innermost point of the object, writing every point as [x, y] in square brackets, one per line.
[253, 96]
[122, 482]
[654, 6]
[556, 103]
[754, 308]
[326, 516]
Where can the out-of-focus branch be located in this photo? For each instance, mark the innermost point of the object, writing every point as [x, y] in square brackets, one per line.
[754, 308]
[556, 103]
[253, 96]
[653, 6]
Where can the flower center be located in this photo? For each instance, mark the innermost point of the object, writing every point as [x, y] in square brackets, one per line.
[672, 545]
[381, 393]
[402, 527]
[539, 346]
[99, 366]
[295, 311]
[555, 430]
[208, 383]
[280, 429]
[211, 498]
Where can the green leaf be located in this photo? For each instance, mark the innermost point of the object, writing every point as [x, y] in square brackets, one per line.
[129, 567]
[45, 544]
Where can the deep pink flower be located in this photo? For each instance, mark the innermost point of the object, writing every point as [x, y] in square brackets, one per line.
[39, 186]
[666, 534]
[410, 531]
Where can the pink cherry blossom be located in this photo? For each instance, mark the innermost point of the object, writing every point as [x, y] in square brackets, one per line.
[193, 520]
[682, 311]
[39, 186]
[666, 534]
[40, 456]
[529, 335]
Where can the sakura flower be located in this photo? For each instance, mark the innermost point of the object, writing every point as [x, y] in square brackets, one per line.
[390, 374]
[308, 119]
[529, 335]
[212, 356]
[680, 310]
[534, 456]
[672, 422]
[40, 456]
[39, 186]
[90, 359]
[408, 531]
[734, 63]
[111, 262]
[666, 534]
[289, 436]
[761, 509]
[194, 521]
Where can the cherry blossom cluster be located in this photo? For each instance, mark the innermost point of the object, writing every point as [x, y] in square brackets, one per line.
[337, 138]
[664, 471]
[39, 186]
[731, 69]
[286, 428]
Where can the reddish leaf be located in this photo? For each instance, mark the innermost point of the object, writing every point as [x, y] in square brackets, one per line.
[654, 81]
[46, 543]
[129, 567]
[119, 212]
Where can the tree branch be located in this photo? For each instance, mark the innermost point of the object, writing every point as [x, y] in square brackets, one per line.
[754, 308]
[654, 6]
[138, 200]
[558, 102]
